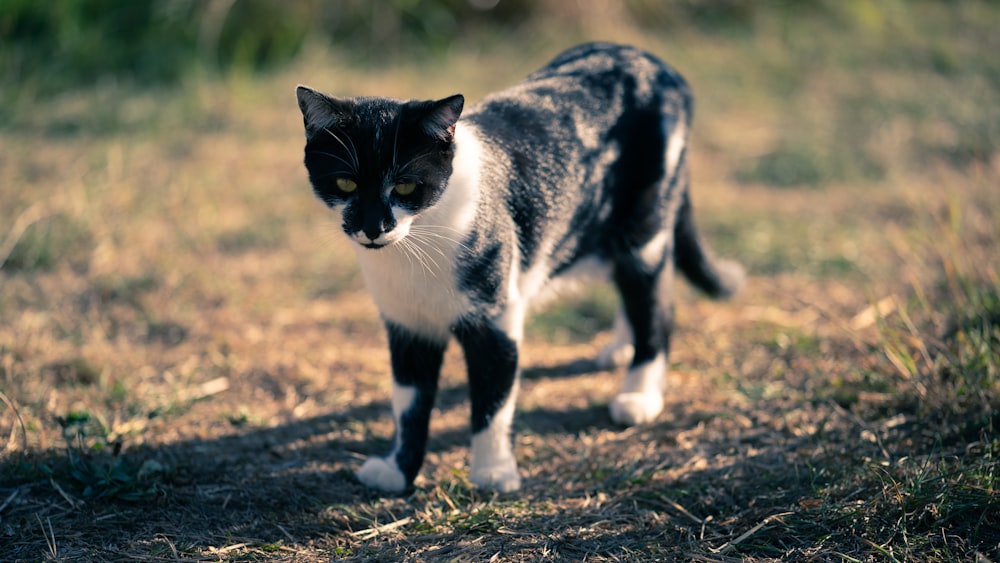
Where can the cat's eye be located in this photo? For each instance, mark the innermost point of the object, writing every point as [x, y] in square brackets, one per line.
[406, 188]
[346, 185]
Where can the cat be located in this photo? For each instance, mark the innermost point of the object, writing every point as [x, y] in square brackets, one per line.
[461, 219]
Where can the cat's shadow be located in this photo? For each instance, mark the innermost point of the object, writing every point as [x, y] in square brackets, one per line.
[549, 420]
[574, 368]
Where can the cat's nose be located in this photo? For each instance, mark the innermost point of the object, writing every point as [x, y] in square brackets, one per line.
[376, 222]
[375, 229]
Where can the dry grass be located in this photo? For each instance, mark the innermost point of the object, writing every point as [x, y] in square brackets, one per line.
[190, 369]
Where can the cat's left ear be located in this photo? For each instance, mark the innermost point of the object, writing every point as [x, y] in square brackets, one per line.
[318, 109]
[442, 115]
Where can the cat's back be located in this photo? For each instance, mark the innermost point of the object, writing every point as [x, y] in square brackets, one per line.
[593, 84]
[573, 148]
[603, 67]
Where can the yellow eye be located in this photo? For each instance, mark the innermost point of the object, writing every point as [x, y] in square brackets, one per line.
[405, 189]
[346, 185]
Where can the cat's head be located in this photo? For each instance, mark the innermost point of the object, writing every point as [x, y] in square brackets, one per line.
[378, 162]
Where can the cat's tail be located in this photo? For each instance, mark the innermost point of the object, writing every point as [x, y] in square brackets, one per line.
[718, 278]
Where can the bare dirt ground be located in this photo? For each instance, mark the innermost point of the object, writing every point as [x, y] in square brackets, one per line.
[191, 371]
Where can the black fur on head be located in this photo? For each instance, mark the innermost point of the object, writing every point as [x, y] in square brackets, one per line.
[377, 143]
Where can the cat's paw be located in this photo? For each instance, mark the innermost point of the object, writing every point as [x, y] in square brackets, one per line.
[502, 477]
[631, 409]
[615, 355]
[381, 473]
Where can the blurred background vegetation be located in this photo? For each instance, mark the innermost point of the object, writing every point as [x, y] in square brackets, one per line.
[50, 48]
[55, 46]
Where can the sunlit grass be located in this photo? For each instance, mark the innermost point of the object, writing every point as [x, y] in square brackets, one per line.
[172, 293]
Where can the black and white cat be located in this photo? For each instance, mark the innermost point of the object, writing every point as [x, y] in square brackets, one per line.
[462, 220]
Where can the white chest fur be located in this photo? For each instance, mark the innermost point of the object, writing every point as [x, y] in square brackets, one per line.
[413, 281]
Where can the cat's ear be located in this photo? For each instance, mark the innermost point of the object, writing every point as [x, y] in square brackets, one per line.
[319, 110]
[441, 116]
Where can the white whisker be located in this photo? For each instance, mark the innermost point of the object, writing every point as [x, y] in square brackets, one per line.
[427, 257]
[427, 232]
[395, 142]
[421, 255]
[351, 151]
[331, 155]
[426, 240]
[403, 248]
[354, 153]
[418, 158]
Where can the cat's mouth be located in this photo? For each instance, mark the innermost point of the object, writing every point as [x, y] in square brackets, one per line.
[383, 240]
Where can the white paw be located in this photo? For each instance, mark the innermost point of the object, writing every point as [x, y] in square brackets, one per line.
[631, 409]
[380, 473]
[502, 477]
[615, 355]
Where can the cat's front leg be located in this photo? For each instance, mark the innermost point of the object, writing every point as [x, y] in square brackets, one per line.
[491, 357]
[416, 366]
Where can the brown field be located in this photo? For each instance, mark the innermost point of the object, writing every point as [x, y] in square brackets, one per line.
[190, 368]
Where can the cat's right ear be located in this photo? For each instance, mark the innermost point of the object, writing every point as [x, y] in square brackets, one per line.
[441, 116]
[319, 111]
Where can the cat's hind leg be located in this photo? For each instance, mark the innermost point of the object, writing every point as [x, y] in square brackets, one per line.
[644, 278]
[416, 366]
[620, 351]
[491, 355]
